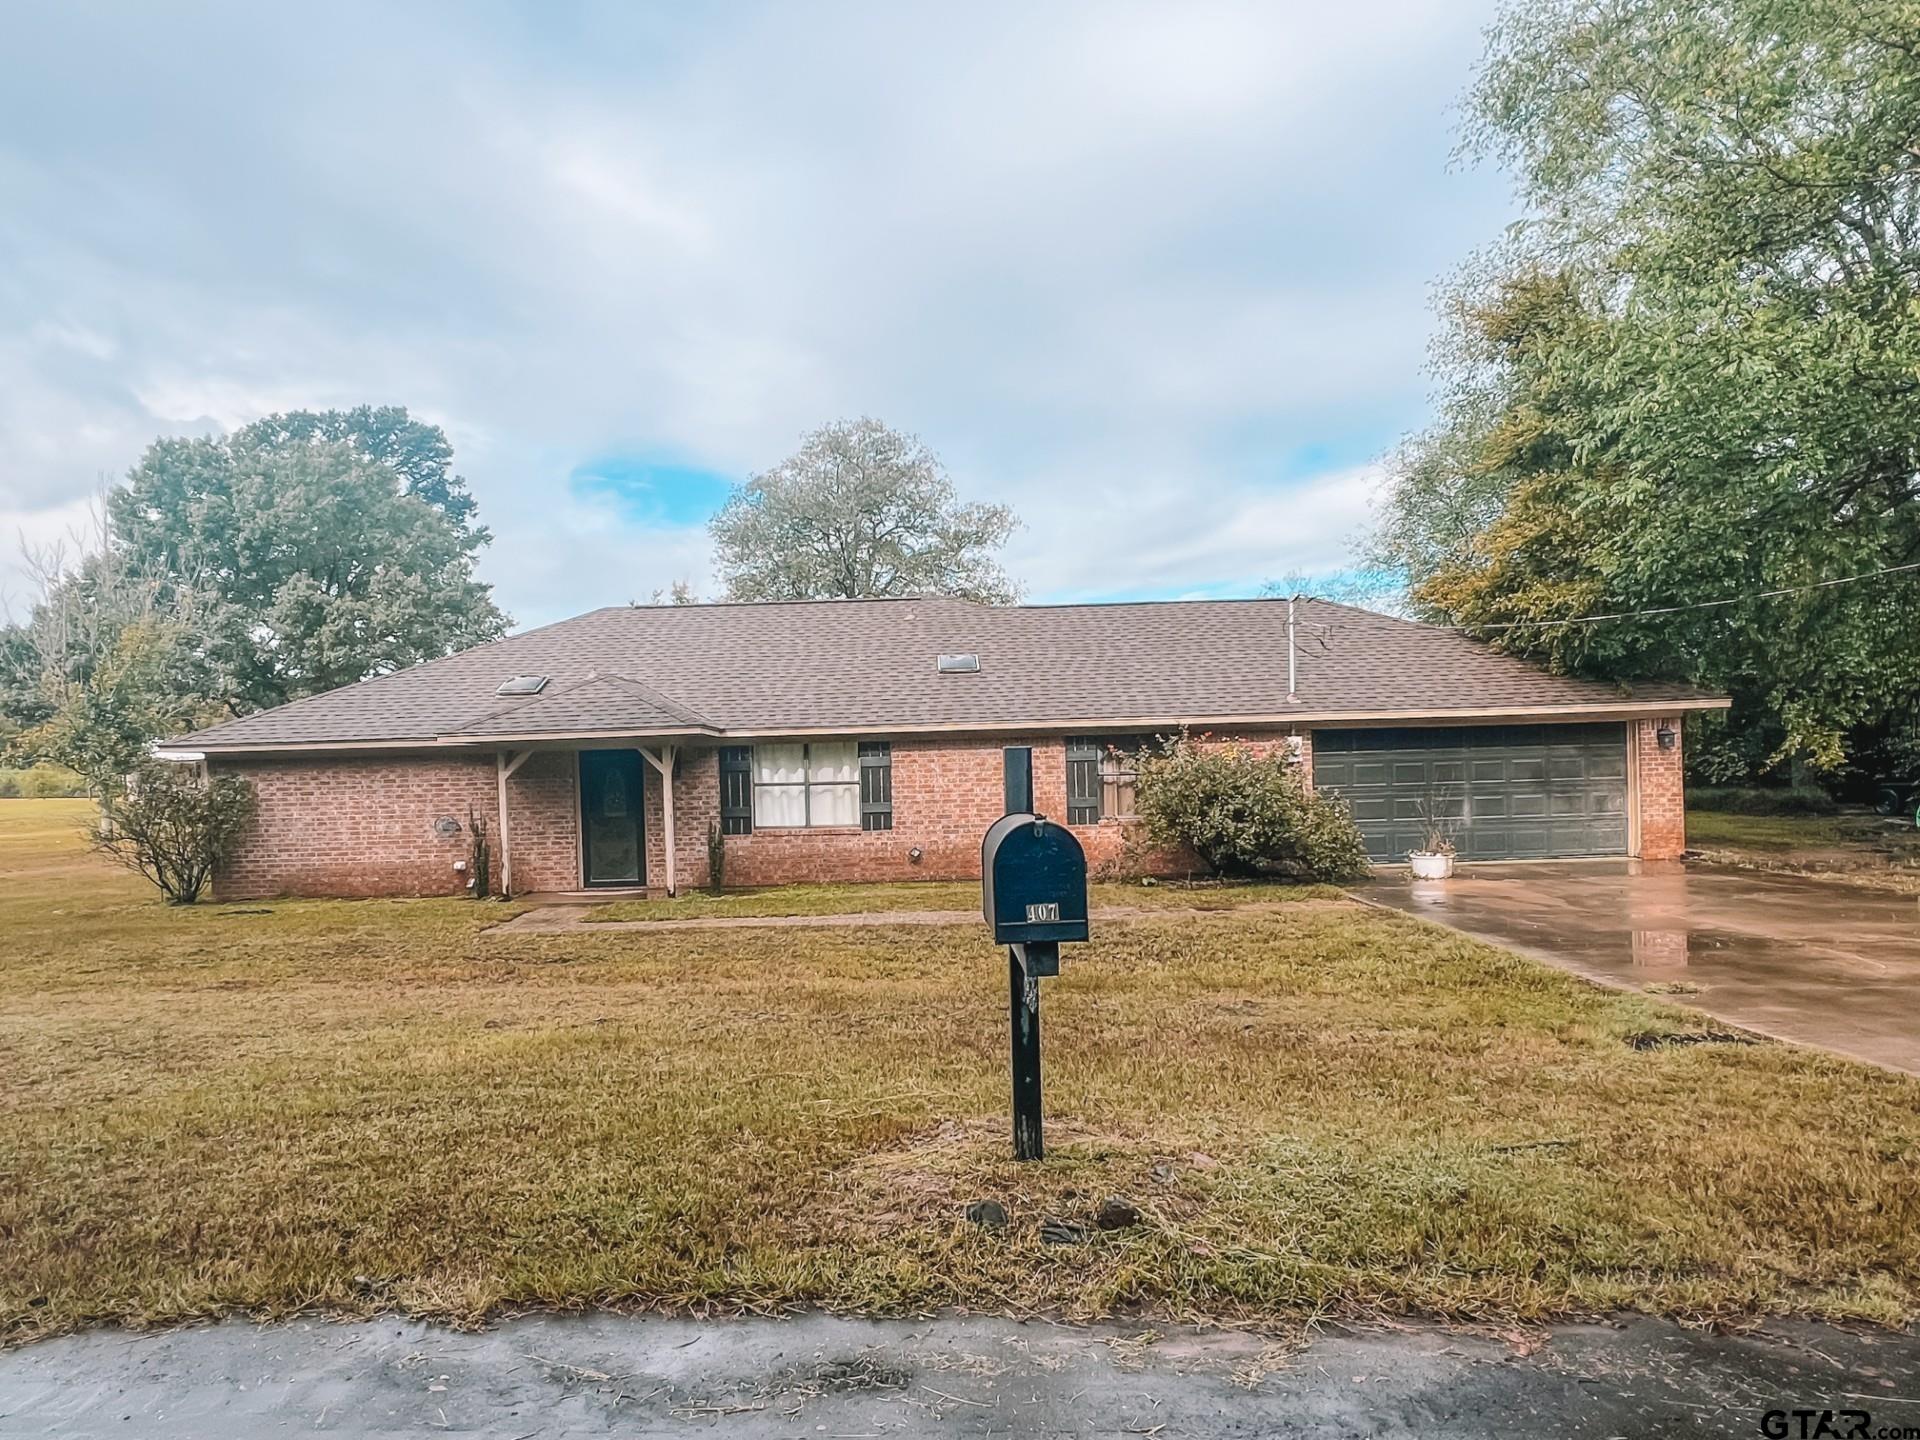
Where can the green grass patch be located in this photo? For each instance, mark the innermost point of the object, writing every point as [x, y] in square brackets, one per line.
[1721, 829]
[1321, 1108]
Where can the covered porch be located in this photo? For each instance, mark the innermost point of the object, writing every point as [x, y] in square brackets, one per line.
[594, 821]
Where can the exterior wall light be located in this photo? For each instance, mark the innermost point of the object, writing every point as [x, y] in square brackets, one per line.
[1665, 736]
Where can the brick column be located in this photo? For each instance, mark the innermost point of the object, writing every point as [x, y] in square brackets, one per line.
[1660, 789]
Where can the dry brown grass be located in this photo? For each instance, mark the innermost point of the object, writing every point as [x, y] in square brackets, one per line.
[364, 1105]
[941, 895]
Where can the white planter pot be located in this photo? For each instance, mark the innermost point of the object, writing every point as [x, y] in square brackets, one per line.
[1430, 867]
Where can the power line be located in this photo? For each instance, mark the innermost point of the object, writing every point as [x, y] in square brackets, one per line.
[1699, 605]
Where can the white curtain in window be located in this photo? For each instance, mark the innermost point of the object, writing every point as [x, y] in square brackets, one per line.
[779, 785]
[833, 782]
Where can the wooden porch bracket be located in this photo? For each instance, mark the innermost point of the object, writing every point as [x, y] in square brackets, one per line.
[663, 763]
[504, 768]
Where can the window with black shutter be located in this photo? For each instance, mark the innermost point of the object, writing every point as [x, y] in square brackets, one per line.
[876, 785]
[1083, 782]
[1100, 777]
[736, 790]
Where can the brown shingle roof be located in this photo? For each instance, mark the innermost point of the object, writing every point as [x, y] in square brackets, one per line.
[868, 665]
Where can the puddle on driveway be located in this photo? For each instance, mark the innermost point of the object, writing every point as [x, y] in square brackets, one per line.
[1805, 960]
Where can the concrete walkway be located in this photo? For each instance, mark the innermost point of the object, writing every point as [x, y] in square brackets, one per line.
[558, 919]
[552, 1376]
[1813, 962]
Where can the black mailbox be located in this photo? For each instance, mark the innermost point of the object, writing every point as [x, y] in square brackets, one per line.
[1033, 882]
[1033, 891]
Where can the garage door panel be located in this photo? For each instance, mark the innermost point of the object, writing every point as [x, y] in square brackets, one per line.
[1512, 792]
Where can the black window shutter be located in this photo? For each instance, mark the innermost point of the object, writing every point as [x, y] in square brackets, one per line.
[736, 790]
[1083, 782]
[876, 785]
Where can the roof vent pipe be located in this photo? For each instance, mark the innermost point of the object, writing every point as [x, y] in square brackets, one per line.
[1293, 657]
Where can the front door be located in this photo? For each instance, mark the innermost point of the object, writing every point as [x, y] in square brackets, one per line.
[612, 834]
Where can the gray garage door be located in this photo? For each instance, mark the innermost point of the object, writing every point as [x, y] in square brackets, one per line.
[1514, 792]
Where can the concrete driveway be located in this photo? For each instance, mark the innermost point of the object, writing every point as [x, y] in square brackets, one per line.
[1809, 961]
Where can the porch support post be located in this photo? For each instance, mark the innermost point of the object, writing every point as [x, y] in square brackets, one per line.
[664, 764]
[503, 770]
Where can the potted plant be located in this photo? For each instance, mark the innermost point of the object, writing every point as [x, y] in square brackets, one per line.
[1433, 860]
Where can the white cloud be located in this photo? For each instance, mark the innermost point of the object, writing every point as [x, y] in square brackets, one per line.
[1122, 265]
[54, 533]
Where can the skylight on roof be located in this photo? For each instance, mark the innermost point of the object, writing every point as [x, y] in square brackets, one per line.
[522, 685]
[957, 664]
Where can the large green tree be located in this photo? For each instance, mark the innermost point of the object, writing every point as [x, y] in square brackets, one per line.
[860, 509]
[319, 549]
[303, 552]
[1694, 371]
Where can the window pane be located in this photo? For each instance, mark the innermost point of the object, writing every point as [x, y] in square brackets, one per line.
[836, 804]
[833, 760]
[779, 764]
[1116, 785]
[779, 804]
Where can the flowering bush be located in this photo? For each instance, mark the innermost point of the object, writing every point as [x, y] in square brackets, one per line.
[1245, 813]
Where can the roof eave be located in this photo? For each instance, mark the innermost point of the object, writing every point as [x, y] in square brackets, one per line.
[1622, 708]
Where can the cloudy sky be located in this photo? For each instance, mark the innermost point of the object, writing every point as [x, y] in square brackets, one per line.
[1156, 275]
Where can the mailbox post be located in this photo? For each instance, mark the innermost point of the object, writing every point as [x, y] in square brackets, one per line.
[1033, 892]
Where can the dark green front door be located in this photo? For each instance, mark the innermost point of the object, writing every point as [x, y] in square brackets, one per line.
[1509, 792]
[612, 834]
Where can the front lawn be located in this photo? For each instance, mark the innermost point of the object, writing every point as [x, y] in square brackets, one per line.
[1318, 1109]
[939, 895]
[1854, 845]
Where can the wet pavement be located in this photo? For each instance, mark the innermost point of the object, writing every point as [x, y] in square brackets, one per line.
[1815, 962]
[552, 1376]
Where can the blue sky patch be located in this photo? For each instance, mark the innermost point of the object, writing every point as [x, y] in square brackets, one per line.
[653, 492]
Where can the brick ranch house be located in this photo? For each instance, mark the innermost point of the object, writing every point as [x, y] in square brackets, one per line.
[861, 740]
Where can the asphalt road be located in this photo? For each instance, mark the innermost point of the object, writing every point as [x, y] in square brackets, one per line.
[592, 1375]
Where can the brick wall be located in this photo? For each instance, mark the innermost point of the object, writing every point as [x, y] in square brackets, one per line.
[345, 826]
[1660, 784]
[946, 792]
[543, 813]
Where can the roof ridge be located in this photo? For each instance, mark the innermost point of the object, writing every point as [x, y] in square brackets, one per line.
[1116, 604]
[660, 698]
[519, 702]
[813, 600]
